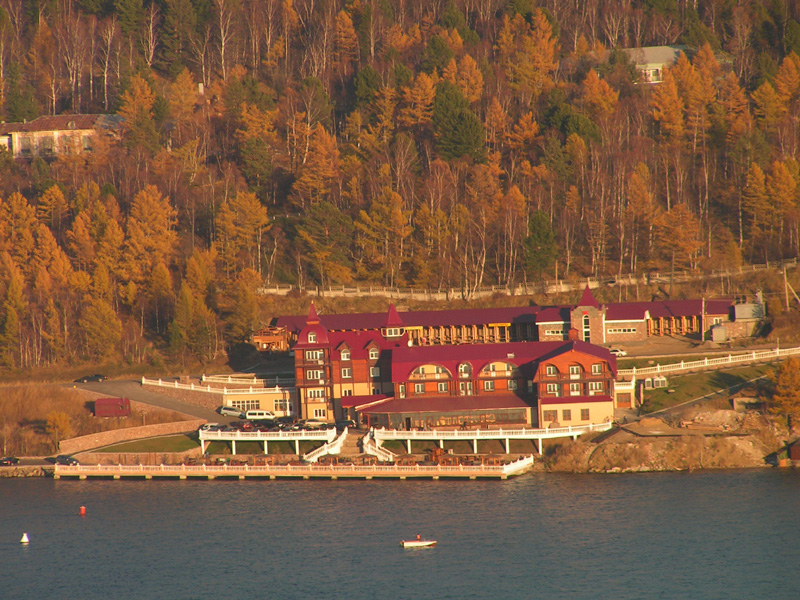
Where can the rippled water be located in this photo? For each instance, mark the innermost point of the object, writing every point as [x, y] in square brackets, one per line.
[701, 535]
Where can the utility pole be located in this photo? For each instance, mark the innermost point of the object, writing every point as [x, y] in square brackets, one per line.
[786, 288]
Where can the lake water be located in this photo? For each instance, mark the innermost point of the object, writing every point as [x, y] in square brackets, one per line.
[667, 535]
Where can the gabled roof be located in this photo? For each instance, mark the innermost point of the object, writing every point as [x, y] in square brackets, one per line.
[653, 55]
[359, 342]
[524, 355]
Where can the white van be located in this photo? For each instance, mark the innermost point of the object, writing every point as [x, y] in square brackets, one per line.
[260, 415]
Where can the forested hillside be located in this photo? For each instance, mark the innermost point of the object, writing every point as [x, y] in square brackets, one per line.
[402, 142]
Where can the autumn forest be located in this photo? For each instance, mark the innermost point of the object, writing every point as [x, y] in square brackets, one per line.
[430, 143]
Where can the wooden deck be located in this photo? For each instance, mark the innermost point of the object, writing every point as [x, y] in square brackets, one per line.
[310, 471]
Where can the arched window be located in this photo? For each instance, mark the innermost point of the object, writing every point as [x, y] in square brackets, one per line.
[345, 354]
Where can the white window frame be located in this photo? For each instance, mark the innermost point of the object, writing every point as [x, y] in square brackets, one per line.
[374, 354]
[345, 354]
[512, 384]
[374, 371]
[550, 370]
[312, 337]
[419, 388]
[488, 385]
[441, 387]
[347, 373]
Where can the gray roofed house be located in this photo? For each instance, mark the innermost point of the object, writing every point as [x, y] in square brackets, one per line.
[652, 60]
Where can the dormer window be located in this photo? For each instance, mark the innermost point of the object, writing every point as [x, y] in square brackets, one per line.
[312, 338]
[550, 370]
[392, 332]
[374, 354]
[345, 354]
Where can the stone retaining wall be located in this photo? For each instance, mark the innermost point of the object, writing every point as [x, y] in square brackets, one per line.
[107, 438]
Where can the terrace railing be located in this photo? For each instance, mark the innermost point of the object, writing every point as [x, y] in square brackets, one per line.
[524, 433]
[326, 435]
[332, 447]
[710, 363]
[278, 389]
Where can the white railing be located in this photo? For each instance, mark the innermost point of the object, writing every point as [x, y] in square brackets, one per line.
[711, 362]
[247, 380]
[381, 435]
[255, 436]
[370, 446]
[332, 447]
[215, 390]
[512, 468]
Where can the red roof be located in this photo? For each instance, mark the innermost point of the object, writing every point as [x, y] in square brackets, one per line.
[574, 399]
[312, 326]
[393, 319]
[421, 404]
[525, 355]
[59, 123]
[359, 342]
[587, 299]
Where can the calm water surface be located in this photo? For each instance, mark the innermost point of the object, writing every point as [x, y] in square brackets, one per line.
[707, 535]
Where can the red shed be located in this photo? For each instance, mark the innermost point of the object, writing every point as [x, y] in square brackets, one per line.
[112, 407]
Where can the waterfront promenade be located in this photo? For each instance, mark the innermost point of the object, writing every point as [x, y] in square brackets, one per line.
[307, 471]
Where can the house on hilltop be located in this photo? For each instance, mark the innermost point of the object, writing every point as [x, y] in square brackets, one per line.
[651, 61]
[51, 136]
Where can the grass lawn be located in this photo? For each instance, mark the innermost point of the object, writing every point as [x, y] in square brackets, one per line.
[689, 387]
[172, 443]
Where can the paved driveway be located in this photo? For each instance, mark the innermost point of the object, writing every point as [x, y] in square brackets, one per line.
[133, 390]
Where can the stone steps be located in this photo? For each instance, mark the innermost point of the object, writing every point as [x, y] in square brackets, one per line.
[352, 445]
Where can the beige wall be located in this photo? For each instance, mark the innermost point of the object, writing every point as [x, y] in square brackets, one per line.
[107, 438]
[599, 412]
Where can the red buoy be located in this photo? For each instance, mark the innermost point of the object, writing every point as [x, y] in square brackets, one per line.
[82, 511]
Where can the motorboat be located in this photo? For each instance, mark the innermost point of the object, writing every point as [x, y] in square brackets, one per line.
[417, 543]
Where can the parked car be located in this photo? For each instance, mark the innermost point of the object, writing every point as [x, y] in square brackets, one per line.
[290, 420]
[209, 427]
[260, 415]
[63, 459]
[618, 352]
[9, 461]
[230, 411]
[96, 378]
[313, 424]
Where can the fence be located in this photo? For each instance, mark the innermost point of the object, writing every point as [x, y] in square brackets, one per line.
[544, 286]
[714, 363]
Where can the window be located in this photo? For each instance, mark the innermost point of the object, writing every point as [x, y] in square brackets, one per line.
[587, 329]
[347, 393]
[419, 388]
[312, 338]
[393, 332]
[374, 371]
[574, 371]
[314, 374]
[401, 389]
[566, 415]
[597, 369]
[550, 415]
[512, 384]
[374, 354]
[245, 405]
[488, 386]
[345, 354]
[314, 355]
[316, 393]
[347, 373]
[441, 387]
[464, 369]
[584, 414]
[421, 371]
[491, 367]
[595, 386]
[621, 330]
[376, 391]
[550, 370]
[320, 413]
[574, 389]
[552, 388]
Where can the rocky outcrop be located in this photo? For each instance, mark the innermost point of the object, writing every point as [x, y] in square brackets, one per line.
[716, 440]
[26, 471]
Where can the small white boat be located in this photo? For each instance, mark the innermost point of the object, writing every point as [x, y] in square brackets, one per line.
[418, 543]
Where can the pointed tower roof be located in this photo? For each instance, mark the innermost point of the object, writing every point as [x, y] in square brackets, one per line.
[587, 299]
[393, 318]
[313, 318]
[314, 333]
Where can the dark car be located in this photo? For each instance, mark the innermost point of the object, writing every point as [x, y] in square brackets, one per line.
[8, 461]
[63, 459]
[96, 378]
[340, 425]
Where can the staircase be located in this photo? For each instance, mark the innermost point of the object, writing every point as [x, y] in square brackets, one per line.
[352, 445]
